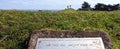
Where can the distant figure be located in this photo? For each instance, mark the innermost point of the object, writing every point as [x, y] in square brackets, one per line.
[68, 6]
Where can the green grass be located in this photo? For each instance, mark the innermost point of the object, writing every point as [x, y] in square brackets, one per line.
[18, 25]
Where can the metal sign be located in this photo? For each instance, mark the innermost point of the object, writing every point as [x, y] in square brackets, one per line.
[70, 43]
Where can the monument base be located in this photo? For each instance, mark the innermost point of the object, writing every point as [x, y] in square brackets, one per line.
[68, 34]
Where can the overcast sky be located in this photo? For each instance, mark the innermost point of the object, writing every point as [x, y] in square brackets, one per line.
[49, 4]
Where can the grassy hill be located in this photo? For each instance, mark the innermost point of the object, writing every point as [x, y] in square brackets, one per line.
[16, 26]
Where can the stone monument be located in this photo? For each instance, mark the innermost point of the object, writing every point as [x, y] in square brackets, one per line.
[50, 39]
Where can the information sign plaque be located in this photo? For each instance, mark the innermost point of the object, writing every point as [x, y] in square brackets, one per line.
[70, 43]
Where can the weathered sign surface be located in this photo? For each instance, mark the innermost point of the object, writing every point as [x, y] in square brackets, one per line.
[70, 43]
[43, 34]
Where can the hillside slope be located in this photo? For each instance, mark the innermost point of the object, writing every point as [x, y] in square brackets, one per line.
[16, 26]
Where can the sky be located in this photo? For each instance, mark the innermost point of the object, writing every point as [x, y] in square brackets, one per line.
[49, 4]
